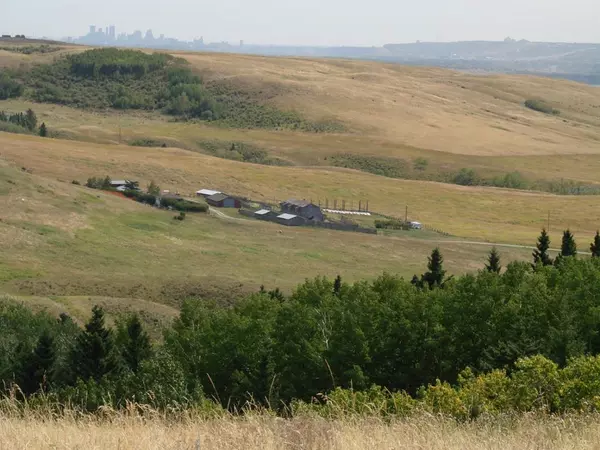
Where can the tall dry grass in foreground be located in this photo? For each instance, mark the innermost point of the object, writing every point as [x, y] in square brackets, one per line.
[126, 431]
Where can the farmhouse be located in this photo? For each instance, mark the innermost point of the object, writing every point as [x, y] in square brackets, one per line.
[303, 209]
[207, 193]
[290, 220]
[221, 200]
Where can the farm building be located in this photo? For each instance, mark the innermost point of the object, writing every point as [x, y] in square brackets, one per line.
[290, 220]
[119, 184]
[265, 214]
[223, 201]
[303, 209]
[207, 193]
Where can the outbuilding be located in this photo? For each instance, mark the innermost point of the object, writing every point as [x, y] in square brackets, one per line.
[221, 200]
[265, 214]
[207, 193]
[290, 220]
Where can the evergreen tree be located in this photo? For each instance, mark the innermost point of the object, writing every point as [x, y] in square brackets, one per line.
[493, 264]
[153, 189]
[435, 276]
[337, 285]
[43, 130]
[540, 254]
[568, 246]
[30, 120]
[416, 281]
[92, 355]
[135, 343]
[106, 183]
[36, 372]
[595, 246]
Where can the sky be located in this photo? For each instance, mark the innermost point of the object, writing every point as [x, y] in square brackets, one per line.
[312, 22]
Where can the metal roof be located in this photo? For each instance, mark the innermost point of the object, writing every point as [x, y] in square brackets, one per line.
[262, 212]
[294, 202]
[218, 197]
[208, 192]
[118, 182]
[286, 216]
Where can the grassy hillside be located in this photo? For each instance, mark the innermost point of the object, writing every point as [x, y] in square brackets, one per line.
[489, 214]
[61, 239]
[399, 122]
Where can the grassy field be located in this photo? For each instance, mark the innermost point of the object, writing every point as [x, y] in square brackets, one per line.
[495, 215]
[117, 431]
[64, 240]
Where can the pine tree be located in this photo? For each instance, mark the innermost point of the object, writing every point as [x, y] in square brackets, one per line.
[153, 189]
[493, 264]
[30, 120]
[136, 345]
[337, 285]
[595, 246]
[568, 247]
[36, 371]
[435, 276]
[92, 355]
[540, 254]
[43, 130]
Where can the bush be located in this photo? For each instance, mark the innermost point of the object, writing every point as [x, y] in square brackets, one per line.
[541, 106]
[146, 142]
[183, 205]
[420, 164]
[466, 177]
[180, 217]
[9, 87]
[391, 224]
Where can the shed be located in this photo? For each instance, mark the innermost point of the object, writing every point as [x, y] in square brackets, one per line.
[223, 201]
[207, 193]
[265, 214]
[302, 208]
[115, 184]
[290, 220]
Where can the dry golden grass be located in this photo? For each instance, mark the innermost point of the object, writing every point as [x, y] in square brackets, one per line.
[269, 433]
[423, 107]
[495, 215]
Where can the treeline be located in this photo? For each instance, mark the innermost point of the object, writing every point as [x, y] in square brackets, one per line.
[276, 350]
[152, 196]
[25, 121]
[421, 169]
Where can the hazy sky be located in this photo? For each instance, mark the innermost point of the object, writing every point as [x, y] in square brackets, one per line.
[313, 22]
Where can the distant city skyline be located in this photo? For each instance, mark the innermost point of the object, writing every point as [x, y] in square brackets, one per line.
[314, 22]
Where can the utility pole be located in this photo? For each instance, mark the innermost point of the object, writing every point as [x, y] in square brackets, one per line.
[406, 215]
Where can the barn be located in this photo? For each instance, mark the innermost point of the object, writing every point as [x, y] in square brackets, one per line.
[303, 209]
[223, 201]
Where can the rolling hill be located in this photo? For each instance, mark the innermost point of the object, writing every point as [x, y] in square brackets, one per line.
[412, 125]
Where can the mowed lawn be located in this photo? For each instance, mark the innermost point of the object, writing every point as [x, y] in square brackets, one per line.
[488, 214]
[66, 240]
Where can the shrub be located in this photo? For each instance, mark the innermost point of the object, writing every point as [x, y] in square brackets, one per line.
[420, 164]
[180, 217]
[9, 87]
[76, 182]
[146, 142]
[183, 205]
[392, 224]
[541, 106]
[466, 177]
